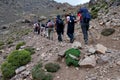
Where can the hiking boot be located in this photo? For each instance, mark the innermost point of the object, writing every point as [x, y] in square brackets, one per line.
[71, 40]
[86, 42]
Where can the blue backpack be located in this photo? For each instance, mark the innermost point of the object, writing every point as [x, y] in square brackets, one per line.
[86, 17]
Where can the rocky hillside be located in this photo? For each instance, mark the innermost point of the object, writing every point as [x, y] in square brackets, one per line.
[99, 60]
[11, 10]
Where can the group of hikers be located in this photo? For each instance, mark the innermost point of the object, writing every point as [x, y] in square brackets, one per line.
[83, 16]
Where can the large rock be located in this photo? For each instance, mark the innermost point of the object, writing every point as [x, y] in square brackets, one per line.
[20, 69]
[88, 61]
[101, 49]
[103, 59]
[92, 50]
[77, 45]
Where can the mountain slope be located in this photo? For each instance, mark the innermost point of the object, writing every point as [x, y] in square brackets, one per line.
[11, 10]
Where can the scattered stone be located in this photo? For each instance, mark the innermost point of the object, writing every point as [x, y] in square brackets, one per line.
[77, 68]
[62, 53]
[25, 21]
[101, 49]
[19, 70]
[92, 50]
[38, 49]
[109, 51]
[22, 47]
[118, 63]
[58, 77]
[25, 73]
[88, 61]
[77, 45]
[103, 59]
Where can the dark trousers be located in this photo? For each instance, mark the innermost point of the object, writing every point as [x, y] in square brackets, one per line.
[85, 27]
[59, 35]
[71, 36]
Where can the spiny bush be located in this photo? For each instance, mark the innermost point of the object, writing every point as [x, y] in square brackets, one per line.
[70, 60]
[52, 67]
[19, 58]
[8, 70]
[108, 31]
[30, 49]
[19, 45]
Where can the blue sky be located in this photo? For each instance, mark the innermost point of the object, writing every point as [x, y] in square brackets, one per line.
[73, 2]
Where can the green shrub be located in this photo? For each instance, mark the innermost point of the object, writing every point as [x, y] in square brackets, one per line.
[38, 66]
[30, 49]
[69, 60]
[52, 67]
[19, 58]
[39, 74]
[48, 76]
[1, 43]
[107, 32]
[8, 70]
[19, 45]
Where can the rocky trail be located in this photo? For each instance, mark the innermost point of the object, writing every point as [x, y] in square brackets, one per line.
[99, 60]
[107, 66]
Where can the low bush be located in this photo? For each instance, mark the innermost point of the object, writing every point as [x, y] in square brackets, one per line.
[40, 74]
[70, 60]
[48, 76]
[19, 58]
[8, 70]
[52, 67]
[19, 45]
[30, 49]
[108, 31]
[1, 43]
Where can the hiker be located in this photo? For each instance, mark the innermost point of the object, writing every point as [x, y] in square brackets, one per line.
[42, 30]
[50, 26]
[84, 21]
[70, 27]
[59, 28]
[37, 28]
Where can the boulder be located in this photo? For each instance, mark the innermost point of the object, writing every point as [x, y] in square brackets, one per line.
[88, 61]
[20, 69]
[103, 59]
[61, 53]
[101, 49]
[77, 45]
[92, 50]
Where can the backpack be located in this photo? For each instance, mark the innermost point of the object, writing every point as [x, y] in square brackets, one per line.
[72, 19]
[60, 22]
[50, 24]
[86, 17]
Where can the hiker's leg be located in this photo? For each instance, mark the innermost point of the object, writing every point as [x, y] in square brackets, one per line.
[59, 36]
[70, 35]
[48, 33]
[84, 30]
[51, 33]
[38, 31]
